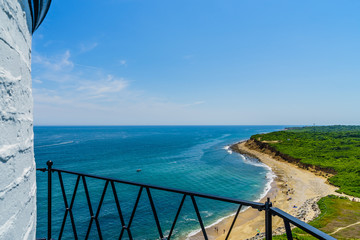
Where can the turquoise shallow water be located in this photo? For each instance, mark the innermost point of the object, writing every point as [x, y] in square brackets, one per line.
[193, 158]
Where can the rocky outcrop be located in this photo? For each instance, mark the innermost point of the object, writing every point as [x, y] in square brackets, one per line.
[309, 206]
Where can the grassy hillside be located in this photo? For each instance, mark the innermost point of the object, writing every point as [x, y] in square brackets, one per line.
[338, 217]
[330, 147]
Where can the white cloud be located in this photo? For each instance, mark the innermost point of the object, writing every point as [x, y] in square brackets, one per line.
[49, 97]
[38, 81]
[194, 103]
[75, 84]
[109, 85]
[56, 63]
[72, 93]
[87, 47]
[123, 62]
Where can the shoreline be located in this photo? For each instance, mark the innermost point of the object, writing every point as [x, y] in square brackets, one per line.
[294, 190]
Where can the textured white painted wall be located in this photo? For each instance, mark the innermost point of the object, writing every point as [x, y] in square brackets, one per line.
[17, 165]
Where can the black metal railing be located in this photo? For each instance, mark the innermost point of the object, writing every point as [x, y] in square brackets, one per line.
[266, 207]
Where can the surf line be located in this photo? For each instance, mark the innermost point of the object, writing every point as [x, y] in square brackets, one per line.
[55, 144]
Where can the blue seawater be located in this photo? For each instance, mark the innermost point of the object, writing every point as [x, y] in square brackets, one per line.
[193, 158]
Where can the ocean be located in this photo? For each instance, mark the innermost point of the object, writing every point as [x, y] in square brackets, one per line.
[193, 158]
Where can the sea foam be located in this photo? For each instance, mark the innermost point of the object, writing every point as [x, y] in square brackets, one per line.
[270, 175]
[55, 144]
[228, 149]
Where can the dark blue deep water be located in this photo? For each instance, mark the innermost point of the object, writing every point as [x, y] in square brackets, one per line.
[192, 158]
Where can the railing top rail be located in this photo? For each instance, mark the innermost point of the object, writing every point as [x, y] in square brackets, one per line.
[256, 205]
[300, 224]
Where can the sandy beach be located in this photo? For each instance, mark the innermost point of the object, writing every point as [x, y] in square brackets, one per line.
[294, 190]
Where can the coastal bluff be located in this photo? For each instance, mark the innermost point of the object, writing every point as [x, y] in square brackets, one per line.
[264, 147]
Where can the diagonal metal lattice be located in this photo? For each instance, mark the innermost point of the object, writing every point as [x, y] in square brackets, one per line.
[94, 215]
[68, 209]
[124, 227]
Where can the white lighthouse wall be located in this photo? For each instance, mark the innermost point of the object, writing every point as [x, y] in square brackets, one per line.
[17, 165]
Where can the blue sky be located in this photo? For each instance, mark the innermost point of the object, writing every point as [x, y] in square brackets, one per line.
[197, 62]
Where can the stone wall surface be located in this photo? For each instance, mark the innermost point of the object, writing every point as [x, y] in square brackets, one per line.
[17, 165]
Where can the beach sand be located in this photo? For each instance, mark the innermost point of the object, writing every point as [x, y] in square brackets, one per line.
[293, 186]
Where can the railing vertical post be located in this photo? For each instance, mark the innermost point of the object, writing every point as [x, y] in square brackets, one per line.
[49, 164]
[268, 220]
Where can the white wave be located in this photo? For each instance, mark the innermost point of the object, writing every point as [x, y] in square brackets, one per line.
[253, 161]
[206, 213]
[227, 148]
[193, 233]
[270, 175]
[55, 144]
[187, 219]
[197, 151]
[225, 135]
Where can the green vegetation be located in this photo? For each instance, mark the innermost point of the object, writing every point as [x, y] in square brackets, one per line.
[337, 213]
[332, 149]
[329, 148]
